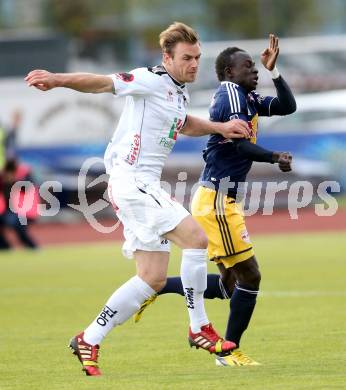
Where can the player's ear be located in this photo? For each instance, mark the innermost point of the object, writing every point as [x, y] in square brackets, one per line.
[166, 57]
[228, 72]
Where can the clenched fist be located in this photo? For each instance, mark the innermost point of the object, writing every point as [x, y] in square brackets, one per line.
[284, 160]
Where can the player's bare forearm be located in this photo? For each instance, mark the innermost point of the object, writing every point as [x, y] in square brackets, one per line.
[85, 82]
[82, 82]
[197, 127]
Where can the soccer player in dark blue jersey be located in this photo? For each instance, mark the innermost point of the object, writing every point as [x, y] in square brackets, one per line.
[216, 202]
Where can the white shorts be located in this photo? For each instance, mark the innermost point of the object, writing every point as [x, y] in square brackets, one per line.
[146, 211]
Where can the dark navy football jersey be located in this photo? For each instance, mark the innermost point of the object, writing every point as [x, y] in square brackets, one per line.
[221, 156]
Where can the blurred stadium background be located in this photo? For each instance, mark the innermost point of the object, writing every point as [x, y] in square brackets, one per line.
[61, 129]
[57, 131]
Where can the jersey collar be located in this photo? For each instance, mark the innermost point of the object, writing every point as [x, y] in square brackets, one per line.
[238, 86]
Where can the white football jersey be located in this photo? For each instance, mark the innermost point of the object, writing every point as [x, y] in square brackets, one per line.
[154, 113]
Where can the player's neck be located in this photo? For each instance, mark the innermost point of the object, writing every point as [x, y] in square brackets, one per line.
[174, 79]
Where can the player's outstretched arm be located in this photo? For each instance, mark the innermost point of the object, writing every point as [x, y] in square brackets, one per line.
[197, 127]
[256, 153]
[82, 82]
[284, 103]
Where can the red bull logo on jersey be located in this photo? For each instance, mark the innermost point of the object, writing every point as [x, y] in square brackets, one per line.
[134, 150]
[245, 236]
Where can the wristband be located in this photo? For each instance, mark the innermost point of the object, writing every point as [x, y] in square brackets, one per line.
[274, 73]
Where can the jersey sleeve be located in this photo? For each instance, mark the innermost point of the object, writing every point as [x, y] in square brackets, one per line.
[138, 82]
[262, 103]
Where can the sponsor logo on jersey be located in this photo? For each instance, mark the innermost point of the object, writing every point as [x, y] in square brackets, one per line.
[181, 99]
[179, 102]
[261, 99]
[166, 142]
[245, 236]
[226, 141]
[127, 77]
[134, 151]
[170, 96]
[175, 128]
[169, 142]
[250, 97]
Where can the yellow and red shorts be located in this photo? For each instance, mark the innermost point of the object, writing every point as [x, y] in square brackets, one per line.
[222, 219]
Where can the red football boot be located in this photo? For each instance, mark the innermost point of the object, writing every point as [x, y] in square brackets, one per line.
[209, 340]
[87, 354]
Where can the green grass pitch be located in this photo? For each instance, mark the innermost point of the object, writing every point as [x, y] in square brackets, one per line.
[298, 331]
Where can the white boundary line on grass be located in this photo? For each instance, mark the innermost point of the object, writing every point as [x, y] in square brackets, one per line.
[265, 294]
[299, 294]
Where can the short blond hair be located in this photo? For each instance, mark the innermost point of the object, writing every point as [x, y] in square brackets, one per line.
[177, 32]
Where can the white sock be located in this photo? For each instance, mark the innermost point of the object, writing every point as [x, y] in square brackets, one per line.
[193, 273]
[124, 302]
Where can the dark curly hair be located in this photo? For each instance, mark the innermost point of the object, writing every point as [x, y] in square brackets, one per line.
[224, 60]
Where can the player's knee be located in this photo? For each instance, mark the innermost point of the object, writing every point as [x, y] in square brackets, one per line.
[247, 273]
[158, 284]
[257, 277]
[229, 283]
[253, 278]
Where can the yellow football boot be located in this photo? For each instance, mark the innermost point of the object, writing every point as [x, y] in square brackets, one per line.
[235, 358]
[144, 305]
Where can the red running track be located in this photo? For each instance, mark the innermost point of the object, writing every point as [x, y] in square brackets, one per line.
[279, 222]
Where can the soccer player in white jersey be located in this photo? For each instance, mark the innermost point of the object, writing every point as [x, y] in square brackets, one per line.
[154, 113]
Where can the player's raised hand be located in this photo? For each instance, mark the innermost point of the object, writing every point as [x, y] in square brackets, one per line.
[41, 79]
[270, 54]
[235, 128]
[284, 160]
